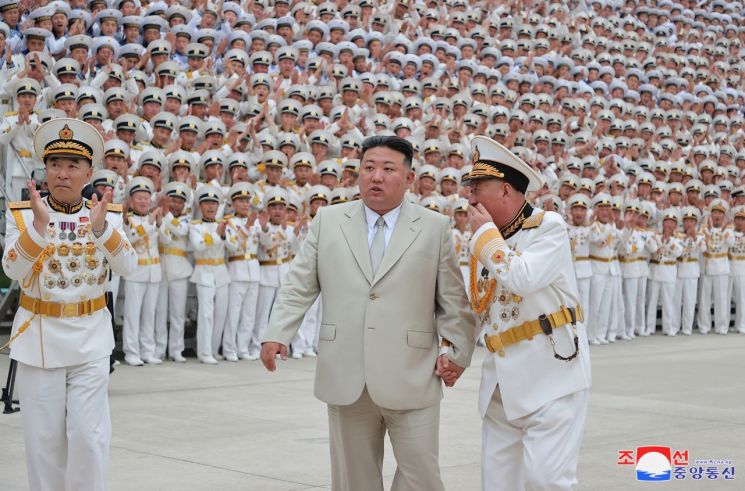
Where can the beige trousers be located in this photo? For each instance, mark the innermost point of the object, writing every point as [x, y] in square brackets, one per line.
[357, 433]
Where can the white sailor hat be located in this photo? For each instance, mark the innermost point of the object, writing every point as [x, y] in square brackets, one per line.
[319, 191]
[164, 119]
[691, 212]
[580, 200]
[211, 157]
[303, 159]
[139, 183]
[208, 192]
[241, 190]
[433, 203]
[429, 171]
[718, 204]
[340, 195]
[181, 158]
[450, 174]
[460, 205]
[275, 196]
[238, 160]
[329, 167]
[492, 160]
[117, 148]
[602, 199]
[68, 137]
[152, 157]
[177, 189]
[274, 158]
[738, 211]
[92, 111]
[27, 86]
[104, 177]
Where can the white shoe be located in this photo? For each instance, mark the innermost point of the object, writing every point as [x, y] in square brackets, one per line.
[231, 357]
[116, 363]
[153, 361]
[178, 359]
[310, 353]
[611, 339]
[603, 341]
[208, 360]
[625, 337]
[247, 356]
[594, 342]
[297, 355]
[133, 361]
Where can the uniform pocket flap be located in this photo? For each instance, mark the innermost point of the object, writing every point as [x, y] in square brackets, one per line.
[327, 332]
[420, 339]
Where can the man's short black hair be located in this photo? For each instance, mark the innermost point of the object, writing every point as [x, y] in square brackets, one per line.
[393, 142]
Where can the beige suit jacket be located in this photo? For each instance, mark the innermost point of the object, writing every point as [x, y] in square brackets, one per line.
[378, 331]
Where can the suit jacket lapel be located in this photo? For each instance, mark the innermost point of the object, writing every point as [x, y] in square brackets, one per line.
[406, 230]
[355, 232]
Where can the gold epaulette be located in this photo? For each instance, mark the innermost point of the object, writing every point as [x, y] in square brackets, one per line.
[11, 113]
[228, 217]
[19, 205]
[114, 208]
[533, 221]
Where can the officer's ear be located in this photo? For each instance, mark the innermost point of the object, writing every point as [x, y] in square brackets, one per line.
[89, 172]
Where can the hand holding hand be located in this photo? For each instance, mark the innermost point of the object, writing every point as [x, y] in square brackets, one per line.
[448, 370]
[269, 352]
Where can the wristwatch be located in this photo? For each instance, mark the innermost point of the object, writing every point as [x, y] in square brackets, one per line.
[99, 234]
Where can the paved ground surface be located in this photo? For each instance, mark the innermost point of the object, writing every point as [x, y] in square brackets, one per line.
[236, 427]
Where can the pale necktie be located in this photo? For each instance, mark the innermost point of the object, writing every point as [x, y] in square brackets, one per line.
[377, 249]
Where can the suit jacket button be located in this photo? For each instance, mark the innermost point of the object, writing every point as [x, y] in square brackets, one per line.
[373, 296]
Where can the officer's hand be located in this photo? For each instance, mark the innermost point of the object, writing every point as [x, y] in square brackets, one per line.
[269, 353]
[477, 216]
[448, 370]
[98, 211]
[41, 214]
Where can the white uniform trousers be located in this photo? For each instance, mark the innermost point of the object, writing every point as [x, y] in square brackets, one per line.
[211, 314]
[583, 286]
[140, 302]
[306, 338]
[601, 299]
[684, 303]
[664, 292]
[716, 287]
[357, 433]
[634, 295]
[67, 426]
[242, 296]
[171, 310]
[535, 452]
[738, 294]
[263, 309]
[114, 284]
[617, 313]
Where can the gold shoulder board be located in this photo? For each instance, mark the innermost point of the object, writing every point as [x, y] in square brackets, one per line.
[19, 205]
[11, 113]
[114, 208]
[534, 220]
[196, 220]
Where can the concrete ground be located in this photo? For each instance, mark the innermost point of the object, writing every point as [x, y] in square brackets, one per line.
[237, 427]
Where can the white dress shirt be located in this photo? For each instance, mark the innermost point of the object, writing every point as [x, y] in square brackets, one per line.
[390, 221]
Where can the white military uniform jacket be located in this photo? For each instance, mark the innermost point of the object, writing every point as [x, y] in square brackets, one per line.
[209, 254]
[737, 255]
[275, 249]
[17, 142]
[242, 244]
[718, 242]
[143, 236]
[636, 248]
[665, 259]
[689, 262]
[579, 239]
[174, 246]
[604, 239]
[534, 276]
[71, 270]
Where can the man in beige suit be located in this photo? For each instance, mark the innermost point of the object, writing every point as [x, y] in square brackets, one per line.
[390, 285]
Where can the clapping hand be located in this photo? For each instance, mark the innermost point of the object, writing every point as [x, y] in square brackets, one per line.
[99, 210]
[41, 214]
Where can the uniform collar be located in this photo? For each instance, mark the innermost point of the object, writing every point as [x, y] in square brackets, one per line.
[517, 221]
[208, 220]
[156, 145]
[138, 214]
[64, 207]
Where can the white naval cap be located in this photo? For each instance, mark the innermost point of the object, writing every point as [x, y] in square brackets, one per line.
[494, 161]
[68, 137]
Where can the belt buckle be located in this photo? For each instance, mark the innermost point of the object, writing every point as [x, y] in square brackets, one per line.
[545, 324]
[70, 310]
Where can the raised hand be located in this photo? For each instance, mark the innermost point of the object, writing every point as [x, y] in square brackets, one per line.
[99, 210]
[41, 213]
[263, 220]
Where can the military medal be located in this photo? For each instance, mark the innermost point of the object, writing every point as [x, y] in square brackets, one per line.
[63, 227]
[77, 281]
[73, 264]
[62, 283]
[89, 278]
[63, 250]
[49, 281]
[54, 265]
[90, 248]
[72, 235]
[91, 262]
[77, 249]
